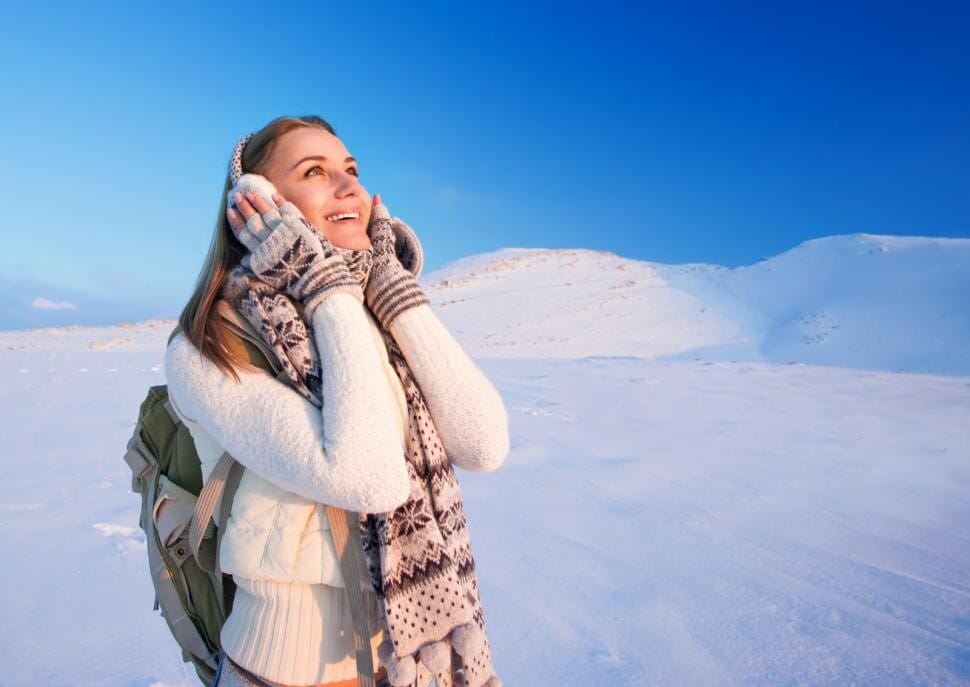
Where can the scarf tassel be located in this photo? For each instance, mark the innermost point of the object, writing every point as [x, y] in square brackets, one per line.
[467, 641]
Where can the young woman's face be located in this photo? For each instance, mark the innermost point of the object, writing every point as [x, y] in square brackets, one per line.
[312, 168]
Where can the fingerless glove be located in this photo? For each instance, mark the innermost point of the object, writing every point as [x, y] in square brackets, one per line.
[391, 289]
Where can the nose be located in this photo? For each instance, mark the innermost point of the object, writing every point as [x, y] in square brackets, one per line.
[347, 185]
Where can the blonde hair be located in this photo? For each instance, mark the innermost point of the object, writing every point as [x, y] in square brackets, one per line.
[200, 324]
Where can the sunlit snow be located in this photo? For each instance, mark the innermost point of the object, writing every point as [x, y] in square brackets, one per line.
[751, 476]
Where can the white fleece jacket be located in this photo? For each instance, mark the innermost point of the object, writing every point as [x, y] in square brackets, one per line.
[290, 622]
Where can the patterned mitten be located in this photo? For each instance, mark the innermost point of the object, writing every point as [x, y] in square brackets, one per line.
[391, 289]
[293, 256]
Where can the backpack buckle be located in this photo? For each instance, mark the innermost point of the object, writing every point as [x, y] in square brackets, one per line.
[139, 459]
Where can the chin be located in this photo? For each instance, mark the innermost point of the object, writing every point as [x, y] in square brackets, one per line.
[353, 242]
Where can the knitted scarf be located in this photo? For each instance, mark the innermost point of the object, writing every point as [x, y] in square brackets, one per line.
[419, 556]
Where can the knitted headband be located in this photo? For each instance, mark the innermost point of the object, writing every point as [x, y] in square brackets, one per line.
[235, 162]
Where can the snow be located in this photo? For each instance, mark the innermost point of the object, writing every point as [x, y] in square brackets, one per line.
[751, 476]
[893, 303]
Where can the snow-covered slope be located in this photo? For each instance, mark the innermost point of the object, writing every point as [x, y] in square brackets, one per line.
[883, 302]
[657, 522]
[862, 301]
[126, 336]
[570, 303]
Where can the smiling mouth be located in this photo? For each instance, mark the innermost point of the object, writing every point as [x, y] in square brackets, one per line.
[343, 217]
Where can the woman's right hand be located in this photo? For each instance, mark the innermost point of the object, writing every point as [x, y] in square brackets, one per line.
[288, 253]
[254, 219]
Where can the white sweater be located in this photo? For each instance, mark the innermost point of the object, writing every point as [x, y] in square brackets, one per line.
[290, 621]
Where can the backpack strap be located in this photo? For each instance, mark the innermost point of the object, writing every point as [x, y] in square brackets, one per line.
[219, 488]
[345, 530]
[213, 491]
[257, 351]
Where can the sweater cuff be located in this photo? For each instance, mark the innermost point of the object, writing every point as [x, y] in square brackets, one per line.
[313, 301]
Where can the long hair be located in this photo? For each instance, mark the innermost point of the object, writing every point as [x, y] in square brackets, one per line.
[199, 323]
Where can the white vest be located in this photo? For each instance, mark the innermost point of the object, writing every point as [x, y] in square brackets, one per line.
[272, 534]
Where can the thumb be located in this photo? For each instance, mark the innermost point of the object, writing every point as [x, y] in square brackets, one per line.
[379, 212]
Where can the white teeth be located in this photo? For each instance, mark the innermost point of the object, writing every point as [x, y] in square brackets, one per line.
[343, 215]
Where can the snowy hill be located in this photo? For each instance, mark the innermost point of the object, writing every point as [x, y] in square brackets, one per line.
[883, 302]
[862, 301]
[893, 303]
[659, 520]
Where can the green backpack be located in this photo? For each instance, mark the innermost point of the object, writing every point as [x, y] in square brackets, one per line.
[191, 591]
[166, 471]
[193, 594]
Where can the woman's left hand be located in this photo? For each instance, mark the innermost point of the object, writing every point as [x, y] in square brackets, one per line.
[380, 232]
[391, 289]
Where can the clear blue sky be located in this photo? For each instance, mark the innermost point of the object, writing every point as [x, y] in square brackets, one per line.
[719, 132]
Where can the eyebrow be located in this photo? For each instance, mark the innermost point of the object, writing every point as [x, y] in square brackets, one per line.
[317, 157]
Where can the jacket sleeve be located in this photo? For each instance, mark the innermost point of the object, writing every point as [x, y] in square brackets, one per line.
[349, 454]
[467, 410]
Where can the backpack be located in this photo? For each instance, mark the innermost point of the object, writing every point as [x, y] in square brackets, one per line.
[191, 591]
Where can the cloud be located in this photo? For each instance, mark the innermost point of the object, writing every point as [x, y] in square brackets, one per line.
[22, 308]
[449, 196]
[46, 304]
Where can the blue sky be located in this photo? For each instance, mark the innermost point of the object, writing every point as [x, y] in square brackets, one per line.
[713, 132]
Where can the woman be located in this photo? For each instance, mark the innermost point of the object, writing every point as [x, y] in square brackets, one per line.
[380, 402]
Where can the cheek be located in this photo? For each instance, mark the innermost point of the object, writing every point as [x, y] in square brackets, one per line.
[367, 202]
[294, 194]
[308, 203]
[306, 209]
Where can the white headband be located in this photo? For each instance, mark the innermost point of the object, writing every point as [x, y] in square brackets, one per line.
[235, 162]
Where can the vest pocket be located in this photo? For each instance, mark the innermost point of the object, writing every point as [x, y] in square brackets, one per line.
[276, 535]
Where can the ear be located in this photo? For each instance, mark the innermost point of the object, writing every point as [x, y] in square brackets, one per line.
[407, 247]
[256, 183]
